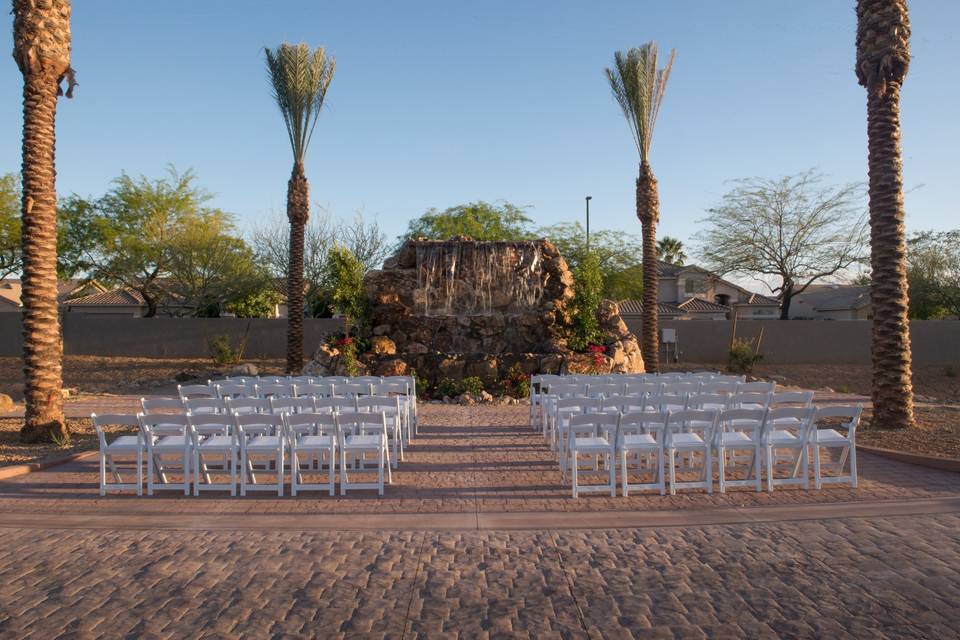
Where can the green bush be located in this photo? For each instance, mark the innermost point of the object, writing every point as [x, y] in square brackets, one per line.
[453, 388]
[448, 387]
[741, 357]
[472, 385]
[223, 353]
[588, 289]
[950, 371]
[516, 383]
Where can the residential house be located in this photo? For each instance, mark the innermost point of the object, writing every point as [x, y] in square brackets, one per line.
[11, 290]
[689, 292]
[832, 302]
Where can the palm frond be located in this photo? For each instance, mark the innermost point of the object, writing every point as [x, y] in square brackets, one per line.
[638, 87]
[299, 78]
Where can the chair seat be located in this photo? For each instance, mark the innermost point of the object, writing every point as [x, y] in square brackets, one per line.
[169, 443]
[779, 436]
[639, 441]
[752, 405]
[319, 442]
[363, 442]
[732, 438]
[686, 440]
[593, 443]
[830, 435]
[124, 443]
[217, 442]
[264, 443]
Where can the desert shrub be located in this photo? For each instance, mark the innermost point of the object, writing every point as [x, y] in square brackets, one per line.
[950, 371]
[516, 383]
[741, 357]
[472, 385]
[448, 387]
[453, 388]
[422, 384]
[223, 353]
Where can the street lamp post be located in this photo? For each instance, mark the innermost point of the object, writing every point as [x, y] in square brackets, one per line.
[588, 199]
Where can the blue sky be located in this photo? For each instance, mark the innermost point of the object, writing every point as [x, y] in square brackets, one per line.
[439, 103]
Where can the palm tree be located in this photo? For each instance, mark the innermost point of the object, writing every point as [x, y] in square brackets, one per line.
[299, 78]
[639, 87]
[41, 47]
[883, 55]
[671, 250]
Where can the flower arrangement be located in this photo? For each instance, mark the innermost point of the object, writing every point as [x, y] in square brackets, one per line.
[598, 351]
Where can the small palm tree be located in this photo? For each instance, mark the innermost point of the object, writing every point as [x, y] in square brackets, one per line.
[639, 87]
[300, 78]
[41, 47]
[671, 250]
[883, 55]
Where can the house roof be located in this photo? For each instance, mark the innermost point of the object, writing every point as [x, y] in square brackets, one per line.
[757, 300]
[118, 297]
[10, 292]
[635, 308]
[833, 297]
[698, 305]
[11, 289]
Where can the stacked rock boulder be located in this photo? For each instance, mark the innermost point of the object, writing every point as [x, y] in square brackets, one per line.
[406, 334]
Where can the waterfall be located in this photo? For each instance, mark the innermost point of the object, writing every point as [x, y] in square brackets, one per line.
[458, 278]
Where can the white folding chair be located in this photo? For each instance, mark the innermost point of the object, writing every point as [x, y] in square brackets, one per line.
[740, 430]
[261, 438]
[787, 429]
[401, 390]
[235, 389]
[315, 435]
[275, 389]
[163, 448]
[757, 387]
[123, 445]
[315, 390]
[691, 431]
[703, 400]
[563, 410]
[727, 387]
[362, 434]
[604, 389]
[352, 389]
[593, 436]
[750, 400]
[641, 388]
[213, 435]
[411, 383]
[392, 411]
[830, 438]
[549, 395]
[641, 438]
[680, 388]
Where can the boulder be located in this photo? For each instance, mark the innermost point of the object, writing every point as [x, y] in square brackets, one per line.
[416, 347]
[245, 369]
[6, 403]
[383, 346]
[391, 367]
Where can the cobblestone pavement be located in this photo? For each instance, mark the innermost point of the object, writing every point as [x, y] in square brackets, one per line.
[465, 459]
[851, 578]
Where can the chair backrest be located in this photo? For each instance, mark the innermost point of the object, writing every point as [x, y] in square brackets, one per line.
[352, 389]
[366, 380]
[707, 401]
[204, 405]
[744, 420]
[802, 398]
[604, 389]
[235, 389]
[681, 387]
[187, 391]
[335, 405]
[701, 420]
[120, 419]
[377, 404]
[299, 380]
[209, 425]
[594, 424]
[332, 380]
[162, 405]
[314, 424]
[163, 423]
[728, 377]
[574, 405]
[361, 423]
[315, 390]
[249, 424]
[848, 415]
[740, 400]
[565, 389]
[635, 423]
[671, 400]
[291, 405]
[640, 388]
[240, 406]
[728, 387]
[247, 380]
[757, 387]
[275, 389]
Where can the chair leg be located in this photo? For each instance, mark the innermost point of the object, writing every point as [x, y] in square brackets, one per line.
[149, 474]
[671, 453]
[139, 472]
[196, 465]
[708, 469]
[380, 466]
[853, 465]
[624, 473]
[233, 472]
[186, 472]
[818, 482]
[612, 468]
[243, 472]
[103, 473]
[660, 471]
[769, 468]
[757, 469]
[280, 471]
[331, 470]
[721, 469]
[573, 471]
[295, 471]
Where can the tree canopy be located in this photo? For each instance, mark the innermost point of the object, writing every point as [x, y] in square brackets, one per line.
[933, 271]
[617, 255]
[792, 231]
[479, 220]
[9, 224]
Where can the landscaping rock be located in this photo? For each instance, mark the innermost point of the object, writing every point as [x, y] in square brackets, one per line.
[383, 346]
[485, 397]
[245, 369]
[6, 403]
[416, 347]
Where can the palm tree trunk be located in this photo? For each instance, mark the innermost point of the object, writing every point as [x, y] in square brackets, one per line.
[892, 385]
[298, 210]
[42, 345]
[648, 210]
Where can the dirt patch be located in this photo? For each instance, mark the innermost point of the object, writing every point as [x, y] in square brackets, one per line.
[83, 438]
[937, 433]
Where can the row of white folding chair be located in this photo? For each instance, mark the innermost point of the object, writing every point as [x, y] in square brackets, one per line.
[662, 435]
[237, 440]
[395, 406]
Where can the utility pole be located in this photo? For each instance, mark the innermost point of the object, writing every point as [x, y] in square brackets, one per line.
[589, 198]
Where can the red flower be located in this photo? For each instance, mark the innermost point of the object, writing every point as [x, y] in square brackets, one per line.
[597, 348]
[345, 342]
